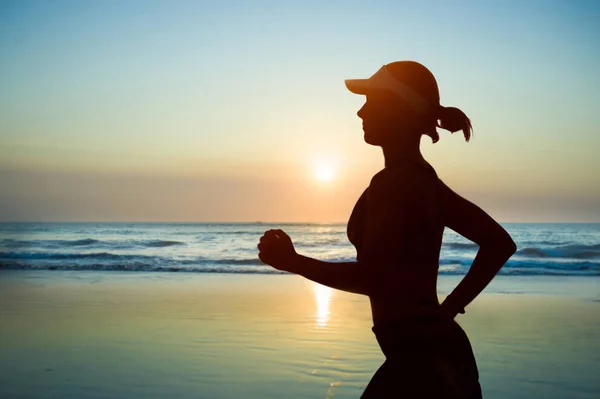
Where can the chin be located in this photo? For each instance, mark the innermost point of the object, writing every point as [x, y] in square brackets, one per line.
[369, 139]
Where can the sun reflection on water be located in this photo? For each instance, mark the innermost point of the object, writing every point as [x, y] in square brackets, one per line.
[322, 298]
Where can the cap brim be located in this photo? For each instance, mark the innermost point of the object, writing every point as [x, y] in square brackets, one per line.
[357, 86]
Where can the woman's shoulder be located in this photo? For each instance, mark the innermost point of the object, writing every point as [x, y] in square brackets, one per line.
[400, 179]
[390, 175]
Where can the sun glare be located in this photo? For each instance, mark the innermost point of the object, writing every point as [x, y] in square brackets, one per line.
[323, 298]
[324, 172]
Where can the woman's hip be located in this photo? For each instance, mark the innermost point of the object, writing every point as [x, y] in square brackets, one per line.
[426, 355]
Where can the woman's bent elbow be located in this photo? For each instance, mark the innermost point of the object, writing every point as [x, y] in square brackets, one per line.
[501, 243]
[506, 245]
[511, 247]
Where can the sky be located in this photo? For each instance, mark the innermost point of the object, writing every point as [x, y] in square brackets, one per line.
[236, 111]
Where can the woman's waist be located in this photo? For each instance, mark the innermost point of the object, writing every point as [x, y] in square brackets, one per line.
[419, 335]
[404, 298]
[401, 280]
[389, 312]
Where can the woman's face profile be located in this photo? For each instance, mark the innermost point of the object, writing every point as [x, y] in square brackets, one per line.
[383, 116]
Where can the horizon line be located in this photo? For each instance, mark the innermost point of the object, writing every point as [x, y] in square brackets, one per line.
[244, 222]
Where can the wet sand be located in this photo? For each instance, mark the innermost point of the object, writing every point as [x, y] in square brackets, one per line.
[156, 335]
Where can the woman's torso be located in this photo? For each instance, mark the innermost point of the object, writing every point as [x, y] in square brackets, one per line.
[412, 289]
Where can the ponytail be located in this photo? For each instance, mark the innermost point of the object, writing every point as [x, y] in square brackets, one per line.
[453, 119]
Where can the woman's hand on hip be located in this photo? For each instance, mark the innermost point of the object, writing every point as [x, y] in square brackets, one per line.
[448, 312]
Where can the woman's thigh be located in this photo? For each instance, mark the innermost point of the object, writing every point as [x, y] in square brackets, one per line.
[418, 380]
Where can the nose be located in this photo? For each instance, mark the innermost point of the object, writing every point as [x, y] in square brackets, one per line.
[361, 112]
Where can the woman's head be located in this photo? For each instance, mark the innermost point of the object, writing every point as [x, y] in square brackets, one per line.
[403, 98]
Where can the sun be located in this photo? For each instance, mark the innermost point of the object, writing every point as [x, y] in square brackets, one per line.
[324, 172]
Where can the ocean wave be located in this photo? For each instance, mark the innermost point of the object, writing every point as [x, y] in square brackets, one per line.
[10, 242]
[85, 242]
[247, 261]
[117, 232]
[565, 251]
[535, 252]
[258, 269]
[543, 242]
[142, 268]
[112, 262]
[528, 267]
[148, 260]
[160, 243]
[59, 256]
[77, 243]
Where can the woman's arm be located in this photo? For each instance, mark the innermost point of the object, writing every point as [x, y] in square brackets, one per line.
[276, 249]
[345, 276]
[495, 247]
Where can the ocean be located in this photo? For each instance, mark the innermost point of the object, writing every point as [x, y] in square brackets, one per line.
[543, 249]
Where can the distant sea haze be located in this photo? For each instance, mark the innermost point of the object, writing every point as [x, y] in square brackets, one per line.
[543, 249]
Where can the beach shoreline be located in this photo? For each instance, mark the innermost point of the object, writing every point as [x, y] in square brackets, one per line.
[135, 334]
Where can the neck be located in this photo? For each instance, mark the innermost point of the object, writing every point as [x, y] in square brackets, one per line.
[403, 150]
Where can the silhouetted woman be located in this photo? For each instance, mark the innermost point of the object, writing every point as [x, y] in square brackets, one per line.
[396, 227]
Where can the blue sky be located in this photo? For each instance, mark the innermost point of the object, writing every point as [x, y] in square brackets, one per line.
[244, 99]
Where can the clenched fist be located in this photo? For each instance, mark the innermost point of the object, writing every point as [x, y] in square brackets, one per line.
[276, 249]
